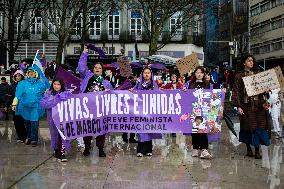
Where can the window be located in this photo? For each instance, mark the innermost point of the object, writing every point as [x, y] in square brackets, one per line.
[78, 26]
[136, 24]
[265, 27]
[16, 25]
[275, 3]
[176, 24]
[276, 44]
[36, 27]
[113, 24]
[265, 48]
[264, 7]
[95, 24]
[254, 11]
[276, 23]
[255, 50]
[52, 24]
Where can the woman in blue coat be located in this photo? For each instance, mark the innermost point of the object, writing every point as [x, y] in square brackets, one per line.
[26, 103]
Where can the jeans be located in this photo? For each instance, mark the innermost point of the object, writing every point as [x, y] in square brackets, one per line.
[32, 130]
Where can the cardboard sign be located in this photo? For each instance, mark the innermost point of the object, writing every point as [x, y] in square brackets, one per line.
[263, 81]
[124, 66]
[187, 63]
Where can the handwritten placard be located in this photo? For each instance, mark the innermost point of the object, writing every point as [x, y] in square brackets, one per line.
[263, 81]
[187, 63]
[124, 66]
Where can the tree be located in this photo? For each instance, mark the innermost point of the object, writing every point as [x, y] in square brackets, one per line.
[156, 15]
[63, 14]
[17, 11]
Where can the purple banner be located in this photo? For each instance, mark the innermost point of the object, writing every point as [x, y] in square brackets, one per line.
[166, 111]
[71, 82]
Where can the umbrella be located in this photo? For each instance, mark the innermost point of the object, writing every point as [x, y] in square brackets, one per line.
[230, 124]
[136, 65]
[167, 60]
[158, 66]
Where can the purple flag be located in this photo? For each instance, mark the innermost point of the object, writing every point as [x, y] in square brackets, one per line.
[72, 83]
[98, 50]
[144, 111]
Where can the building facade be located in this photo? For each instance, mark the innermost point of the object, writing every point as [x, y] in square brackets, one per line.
[267, 32]
[122, 29]
[233, 27]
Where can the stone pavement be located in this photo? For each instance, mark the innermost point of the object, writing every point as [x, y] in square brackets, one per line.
[26, 167]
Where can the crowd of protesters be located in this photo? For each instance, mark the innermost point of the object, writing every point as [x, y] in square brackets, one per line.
[30, 94]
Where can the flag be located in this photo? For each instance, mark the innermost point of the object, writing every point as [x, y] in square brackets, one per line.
[37, 61]
[71, 82]
[98, 50]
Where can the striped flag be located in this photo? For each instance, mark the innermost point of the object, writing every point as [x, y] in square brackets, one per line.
[37, 61]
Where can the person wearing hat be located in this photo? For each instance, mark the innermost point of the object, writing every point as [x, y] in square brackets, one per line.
[26, 103]
[18, 76]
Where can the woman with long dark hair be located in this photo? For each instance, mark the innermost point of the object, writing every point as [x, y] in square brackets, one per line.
[92, 81]
[199, 140]
[52, 97]
[146, 82]
[252, 110]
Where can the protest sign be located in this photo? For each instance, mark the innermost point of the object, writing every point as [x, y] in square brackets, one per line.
[71, 82]
[263, 81]
[124, 66]
[187, 63]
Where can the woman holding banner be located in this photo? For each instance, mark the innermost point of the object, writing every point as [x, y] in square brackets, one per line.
[56, 94]
[252, 110]
[146, 82]
[199, 140]
[92, 82]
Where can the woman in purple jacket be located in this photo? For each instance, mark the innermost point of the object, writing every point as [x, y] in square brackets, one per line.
[146, 82]
[56, 94]
[92, 82]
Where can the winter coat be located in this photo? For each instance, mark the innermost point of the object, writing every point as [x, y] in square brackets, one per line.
[49, 101]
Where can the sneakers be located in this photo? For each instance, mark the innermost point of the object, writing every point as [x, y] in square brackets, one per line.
[205, 154]
[139, 155]
[33, 143]
[28, 141]
[195, 153]
[149, 154]
[62, 158]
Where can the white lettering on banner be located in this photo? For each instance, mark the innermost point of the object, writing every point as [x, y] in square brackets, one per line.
[153, 109]
[171, 105]
[113, 104]
[119, 104]
[107, 103]
[177, 98]
[72, 89]
[71, 107]
[79, 114]
[135, 104]
[60, 111]
[127, 108]
[164, 103]
[86, 113]
[145, 104]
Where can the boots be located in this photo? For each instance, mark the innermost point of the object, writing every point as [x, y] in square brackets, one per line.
[101, 152]
[249, 151]
[257, 153]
